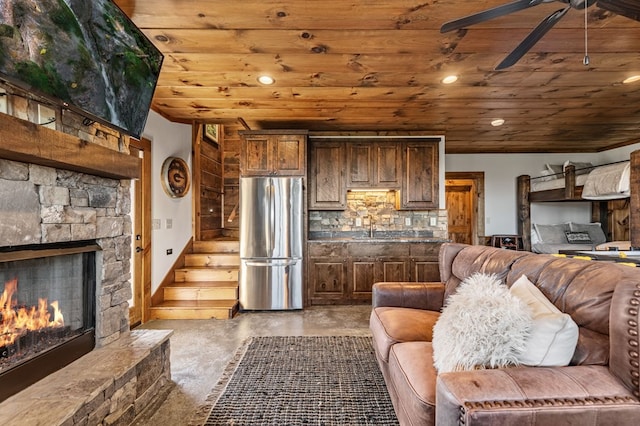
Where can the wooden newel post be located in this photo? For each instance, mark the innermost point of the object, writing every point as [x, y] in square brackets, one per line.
[524, 211]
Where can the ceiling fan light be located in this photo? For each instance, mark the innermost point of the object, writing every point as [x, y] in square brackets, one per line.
[497, 122]
[266, 80]
[450, 79]
[631, 79]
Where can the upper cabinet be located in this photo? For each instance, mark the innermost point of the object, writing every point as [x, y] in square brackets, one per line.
[407, 165]
[374, 165]
[273, 152]
[326, 177]
[419, 189]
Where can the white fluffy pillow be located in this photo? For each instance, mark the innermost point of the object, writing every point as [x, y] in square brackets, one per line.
[482, 325]
[554, 334]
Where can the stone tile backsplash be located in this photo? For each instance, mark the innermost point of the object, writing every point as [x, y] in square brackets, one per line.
[375, 210]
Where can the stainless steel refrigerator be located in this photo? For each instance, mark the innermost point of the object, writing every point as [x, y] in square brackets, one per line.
[271, 228]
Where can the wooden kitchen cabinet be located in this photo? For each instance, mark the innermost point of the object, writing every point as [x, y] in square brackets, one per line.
[326, 273]
[273, 153]
[424, 265]
[326, 176]
[374, 165]
[419, 189]
[344, 273]
[365, 271]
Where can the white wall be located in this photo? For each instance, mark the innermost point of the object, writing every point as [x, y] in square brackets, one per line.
[500, 173]
[167, 140]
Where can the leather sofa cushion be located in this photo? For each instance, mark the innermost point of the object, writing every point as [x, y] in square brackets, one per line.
[587, 395]
[414, 377]
[391, 325]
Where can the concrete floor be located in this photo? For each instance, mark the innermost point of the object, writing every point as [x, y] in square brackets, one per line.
[200, 349]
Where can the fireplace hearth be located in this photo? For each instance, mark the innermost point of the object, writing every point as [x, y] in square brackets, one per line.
[47, 310]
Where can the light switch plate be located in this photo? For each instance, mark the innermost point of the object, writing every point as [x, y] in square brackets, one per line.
[169, 223]
[155, 224]
[433, 221]
[407, 221]
[358, 221]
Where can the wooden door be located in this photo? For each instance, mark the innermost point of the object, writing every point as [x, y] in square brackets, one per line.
[461, 207]
[289, 155]
[141, 211]
[359, 164]
[256, 158]
[327, 279]
[420, 176]
[388, 164]
[326, 177]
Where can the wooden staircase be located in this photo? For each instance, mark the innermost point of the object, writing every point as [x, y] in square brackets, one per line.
[206, 287]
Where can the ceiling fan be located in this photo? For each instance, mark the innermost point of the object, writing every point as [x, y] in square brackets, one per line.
[628, 8]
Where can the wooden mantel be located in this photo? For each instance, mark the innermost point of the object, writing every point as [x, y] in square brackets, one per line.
[27, 142]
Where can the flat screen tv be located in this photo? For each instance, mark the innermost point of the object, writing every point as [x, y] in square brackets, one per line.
[84, 55]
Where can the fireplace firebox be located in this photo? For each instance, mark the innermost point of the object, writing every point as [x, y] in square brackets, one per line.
[47, 310]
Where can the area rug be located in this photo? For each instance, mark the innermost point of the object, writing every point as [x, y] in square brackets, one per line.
[300, 381]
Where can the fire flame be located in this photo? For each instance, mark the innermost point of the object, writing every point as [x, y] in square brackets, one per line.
[16, 322]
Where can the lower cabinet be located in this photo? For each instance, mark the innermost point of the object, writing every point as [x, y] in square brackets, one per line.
[344, 273]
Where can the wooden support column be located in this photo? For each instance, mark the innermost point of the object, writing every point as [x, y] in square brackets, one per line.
[634, 200]
[524, 211]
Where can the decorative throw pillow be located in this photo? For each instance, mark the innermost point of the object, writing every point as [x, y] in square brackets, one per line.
[552, 234]
[482, 325]
[554, 334]
[596, 234]
[578, 238]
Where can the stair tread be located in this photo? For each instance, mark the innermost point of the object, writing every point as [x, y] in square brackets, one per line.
[207, 284]
[196, 304]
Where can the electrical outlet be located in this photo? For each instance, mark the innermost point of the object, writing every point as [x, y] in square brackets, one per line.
[169, 223]
[155, 224]
[358, 221]
[407, 221]
[433, 221]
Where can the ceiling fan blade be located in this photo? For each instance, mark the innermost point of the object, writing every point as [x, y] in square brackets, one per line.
[488, 14]
[628, 8]
[533, 37]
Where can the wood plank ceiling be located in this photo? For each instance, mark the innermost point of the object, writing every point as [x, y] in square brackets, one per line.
[371, 65]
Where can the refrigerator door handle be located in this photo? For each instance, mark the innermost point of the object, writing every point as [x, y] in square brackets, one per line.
[274, 262]
[272, 215]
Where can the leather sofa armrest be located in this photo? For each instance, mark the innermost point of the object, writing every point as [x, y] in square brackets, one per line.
[425, 295]
[534, 396]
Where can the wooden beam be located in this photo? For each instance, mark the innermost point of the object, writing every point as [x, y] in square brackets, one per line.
[634, 201]
[31, 143]
[524, 210]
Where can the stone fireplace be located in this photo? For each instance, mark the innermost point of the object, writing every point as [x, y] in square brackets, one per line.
[81, 223]
[63, 195]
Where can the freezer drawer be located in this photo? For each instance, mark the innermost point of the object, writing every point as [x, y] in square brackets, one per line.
[271, 284]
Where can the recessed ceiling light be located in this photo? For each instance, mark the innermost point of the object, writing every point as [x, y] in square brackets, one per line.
[450, 79]
[266, 79]
[631, 79]
[497, 122]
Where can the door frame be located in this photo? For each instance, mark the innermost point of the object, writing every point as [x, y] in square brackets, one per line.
[478, 213]
[141, 236]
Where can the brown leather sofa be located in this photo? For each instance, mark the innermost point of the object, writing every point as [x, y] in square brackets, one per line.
[599, 387]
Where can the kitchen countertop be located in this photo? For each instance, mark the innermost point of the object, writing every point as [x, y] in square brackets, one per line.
[377, 240]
